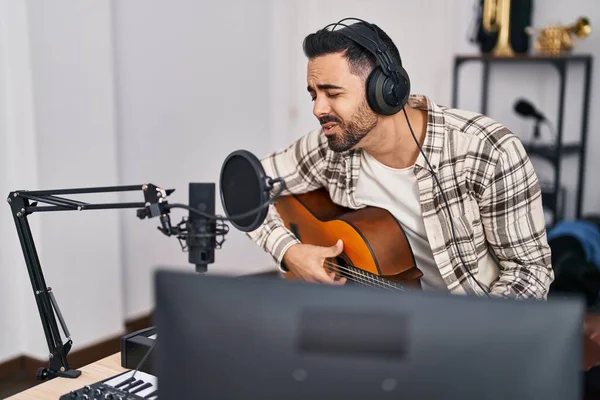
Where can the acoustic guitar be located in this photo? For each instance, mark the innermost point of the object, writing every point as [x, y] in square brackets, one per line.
[376, 250]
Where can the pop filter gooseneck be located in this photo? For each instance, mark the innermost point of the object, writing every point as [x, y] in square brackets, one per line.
[245, 190]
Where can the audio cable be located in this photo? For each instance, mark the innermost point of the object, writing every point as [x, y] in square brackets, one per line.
[447, 203]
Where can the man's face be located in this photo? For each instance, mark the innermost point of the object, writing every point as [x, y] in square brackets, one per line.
[340, 102]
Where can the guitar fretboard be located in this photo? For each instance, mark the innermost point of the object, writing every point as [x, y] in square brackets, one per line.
[361, 277]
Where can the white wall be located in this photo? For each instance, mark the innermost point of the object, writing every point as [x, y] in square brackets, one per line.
[73, 85]
[17, 144]
[136, 91]
[193, 86]
[61, 133]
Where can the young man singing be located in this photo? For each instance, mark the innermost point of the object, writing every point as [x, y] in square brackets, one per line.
[460, 184]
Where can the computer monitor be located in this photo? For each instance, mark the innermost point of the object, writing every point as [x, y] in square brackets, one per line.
[259, 338]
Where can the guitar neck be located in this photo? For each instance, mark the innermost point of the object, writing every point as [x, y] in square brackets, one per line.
[361, 277]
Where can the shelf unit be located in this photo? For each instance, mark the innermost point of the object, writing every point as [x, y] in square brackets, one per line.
[552, 153]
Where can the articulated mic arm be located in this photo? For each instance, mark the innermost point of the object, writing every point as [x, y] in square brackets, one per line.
[22, 204]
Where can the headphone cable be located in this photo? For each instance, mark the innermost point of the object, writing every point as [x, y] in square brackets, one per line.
[466, 268]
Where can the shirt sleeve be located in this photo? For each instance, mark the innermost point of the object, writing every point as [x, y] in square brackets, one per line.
[514, 223]
[299, 166]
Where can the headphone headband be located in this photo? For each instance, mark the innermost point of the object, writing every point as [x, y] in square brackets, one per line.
[386, 94]
[365, 34]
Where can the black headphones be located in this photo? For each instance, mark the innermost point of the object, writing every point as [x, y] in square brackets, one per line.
[388, 85]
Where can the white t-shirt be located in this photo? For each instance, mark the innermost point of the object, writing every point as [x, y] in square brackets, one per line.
[396, 191]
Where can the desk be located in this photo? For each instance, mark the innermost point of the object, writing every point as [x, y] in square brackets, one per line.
[91, 373]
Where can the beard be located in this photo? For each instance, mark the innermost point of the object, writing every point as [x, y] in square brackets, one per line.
[353, 131]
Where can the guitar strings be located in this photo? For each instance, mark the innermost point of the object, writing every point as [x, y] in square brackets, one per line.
[362, 278]
[372, 284]
[352, 276]
[366, 276]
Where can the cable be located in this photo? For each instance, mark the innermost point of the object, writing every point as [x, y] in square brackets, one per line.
[137, 368]
[447, 205]
[552, 130]
[234, 217]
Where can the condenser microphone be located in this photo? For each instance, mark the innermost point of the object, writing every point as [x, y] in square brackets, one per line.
[526, 109]
[245, 195]
[201, 230]
[245, 190]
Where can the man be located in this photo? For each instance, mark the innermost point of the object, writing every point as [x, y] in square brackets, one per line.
[459, 183]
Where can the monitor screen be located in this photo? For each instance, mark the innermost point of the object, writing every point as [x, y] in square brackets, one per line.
[258, 338]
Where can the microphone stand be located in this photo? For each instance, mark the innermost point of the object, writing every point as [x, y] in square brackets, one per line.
[536, 129]
[154, 204]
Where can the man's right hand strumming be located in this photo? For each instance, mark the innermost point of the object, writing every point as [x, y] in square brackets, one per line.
[306, 262]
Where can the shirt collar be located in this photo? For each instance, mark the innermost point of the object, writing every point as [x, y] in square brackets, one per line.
[434, 135]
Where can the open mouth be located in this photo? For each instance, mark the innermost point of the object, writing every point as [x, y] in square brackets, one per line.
[328, 127]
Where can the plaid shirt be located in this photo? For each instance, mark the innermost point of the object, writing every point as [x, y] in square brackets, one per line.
[492, 189]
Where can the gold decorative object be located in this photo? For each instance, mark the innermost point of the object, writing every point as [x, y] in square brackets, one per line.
[558, 39]
[496, 18]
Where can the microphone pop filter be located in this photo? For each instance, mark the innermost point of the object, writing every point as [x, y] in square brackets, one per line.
[243, 185]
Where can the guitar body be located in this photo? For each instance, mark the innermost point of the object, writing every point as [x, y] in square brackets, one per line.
[376, 250]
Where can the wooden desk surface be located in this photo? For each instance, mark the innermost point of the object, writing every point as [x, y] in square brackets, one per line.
[91, 373]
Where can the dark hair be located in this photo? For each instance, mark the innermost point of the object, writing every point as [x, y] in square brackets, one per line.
[360, 60]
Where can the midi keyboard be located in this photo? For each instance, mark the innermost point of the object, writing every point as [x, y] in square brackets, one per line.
[123, 386]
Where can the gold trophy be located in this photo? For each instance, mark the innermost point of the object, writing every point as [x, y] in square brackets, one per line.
[496, 18]
[558, 39]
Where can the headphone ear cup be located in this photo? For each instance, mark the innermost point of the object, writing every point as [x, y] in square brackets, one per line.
[380, 93]
[403, 89]
[372, 80]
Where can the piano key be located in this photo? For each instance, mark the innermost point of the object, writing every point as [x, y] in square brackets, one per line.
[126, 377]
[124, 383]
[139, 389]
[127, 388]
[151, 395]
[149, 391]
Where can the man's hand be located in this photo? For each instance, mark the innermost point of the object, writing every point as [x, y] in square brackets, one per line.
[306, 262]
